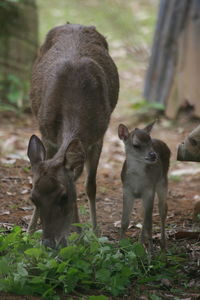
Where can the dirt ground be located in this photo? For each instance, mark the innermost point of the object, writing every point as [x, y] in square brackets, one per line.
[184, 190]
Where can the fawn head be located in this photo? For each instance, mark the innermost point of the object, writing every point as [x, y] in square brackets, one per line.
[138, 143]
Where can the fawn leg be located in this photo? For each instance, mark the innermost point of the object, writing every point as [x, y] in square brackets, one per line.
[162, 189]
[146, 235]
[128, 201]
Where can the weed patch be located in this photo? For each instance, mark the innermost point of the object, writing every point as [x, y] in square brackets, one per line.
[87, 264]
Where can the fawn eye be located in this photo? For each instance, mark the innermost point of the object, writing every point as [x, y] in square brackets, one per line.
[136, 146]
[193, 142]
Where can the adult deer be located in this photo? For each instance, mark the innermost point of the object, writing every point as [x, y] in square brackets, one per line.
[74, 90]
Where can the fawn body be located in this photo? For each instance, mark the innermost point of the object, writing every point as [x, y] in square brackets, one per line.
[144, 173]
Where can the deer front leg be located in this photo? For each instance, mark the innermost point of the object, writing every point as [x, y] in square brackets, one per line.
[128, 201]
[92, 161]
[146, 235]
[33, 221]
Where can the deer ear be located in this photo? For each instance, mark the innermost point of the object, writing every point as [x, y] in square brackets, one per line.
[123, 132]
[149, 127]
[36, 151]
[75, 155]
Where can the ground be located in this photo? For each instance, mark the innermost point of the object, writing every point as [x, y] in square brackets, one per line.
[184, 190]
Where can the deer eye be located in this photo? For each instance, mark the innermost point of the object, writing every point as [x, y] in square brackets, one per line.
[63, 198]
[193, 142]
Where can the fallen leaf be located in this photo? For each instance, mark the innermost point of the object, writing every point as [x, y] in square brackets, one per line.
[117, 224]
[26, 208]
[185, 171]
[8, 161]
[23, 192]
[7, 226]
[138, 225]
[166, 282]
[10, 194]
[196, 197]
[26, 219]
[4, 212]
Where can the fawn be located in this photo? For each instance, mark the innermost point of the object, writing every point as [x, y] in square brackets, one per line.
[144, 173]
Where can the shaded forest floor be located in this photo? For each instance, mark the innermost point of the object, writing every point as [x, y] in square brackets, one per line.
[184, 191]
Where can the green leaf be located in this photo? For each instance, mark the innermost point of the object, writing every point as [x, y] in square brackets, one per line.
[84, 266]
[126, 272]
[103, 275]
[103, 239]
[21, 270]
[155, 297]
[62, 266]
[144, 105]
[126, 244]
[56, 297]
[37, 234]
[37, 280]
[73, 237]
[94, 247]
[34, 252]
[100, 297]
[4, 266]
[68, 252]
[139, 250]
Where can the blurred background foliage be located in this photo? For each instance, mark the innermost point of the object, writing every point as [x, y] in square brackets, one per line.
[19, 45]
[128, 26]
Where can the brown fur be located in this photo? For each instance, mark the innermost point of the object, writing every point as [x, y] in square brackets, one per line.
[74, 90]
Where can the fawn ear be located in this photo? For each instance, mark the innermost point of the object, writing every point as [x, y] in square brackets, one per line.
[36, 151]
[123, 132]
[149, 127]
[75, 155]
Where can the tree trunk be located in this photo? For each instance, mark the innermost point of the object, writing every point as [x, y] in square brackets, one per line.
[19, 43]
[186, 84]
[172, 20]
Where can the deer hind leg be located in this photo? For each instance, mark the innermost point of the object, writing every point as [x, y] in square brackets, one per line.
[92, 161]
[162, 189]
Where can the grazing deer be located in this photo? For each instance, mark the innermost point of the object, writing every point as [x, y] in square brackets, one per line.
[144, 173]
[74, 90]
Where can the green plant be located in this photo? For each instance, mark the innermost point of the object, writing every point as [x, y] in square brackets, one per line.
[144, 106]
[175, 178]
[87, 263]
[83, 210]
[16, 90]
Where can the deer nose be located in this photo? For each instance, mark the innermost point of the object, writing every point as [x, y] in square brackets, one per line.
[152, 155]
[49, 243]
